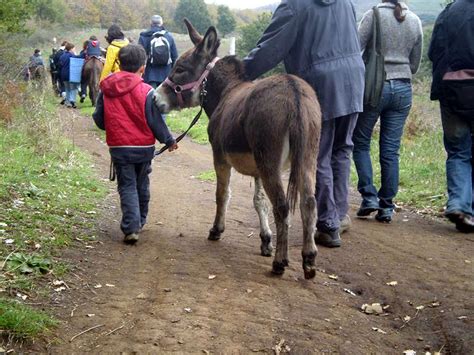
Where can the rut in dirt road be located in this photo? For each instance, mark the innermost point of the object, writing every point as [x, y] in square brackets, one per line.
[175, 291]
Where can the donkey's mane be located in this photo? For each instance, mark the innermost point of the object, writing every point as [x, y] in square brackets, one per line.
[234, 68]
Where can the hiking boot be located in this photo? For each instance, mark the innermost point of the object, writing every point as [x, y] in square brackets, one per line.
[83, 97]
[63, 101]
[346, 224]
[464, 223]
[73, 105]
[367, 208]
[384, 215]
[330, 239]
[131, 238]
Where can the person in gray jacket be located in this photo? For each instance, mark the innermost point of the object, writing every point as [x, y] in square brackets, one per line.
[318, 41]
[402, 38]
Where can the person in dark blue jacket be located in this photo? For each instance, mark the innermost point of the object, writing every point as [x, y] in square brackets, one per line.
[452, 53]
[155, 74]
[71, 88]
[318, 41]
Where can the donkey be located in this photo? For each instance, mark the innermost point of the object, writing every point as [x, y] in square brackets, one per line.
[258, 128]
[91, 75]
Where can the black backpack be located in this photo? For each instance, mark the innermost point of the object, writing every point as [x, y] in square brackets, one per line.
[56, 57]
[160, 53]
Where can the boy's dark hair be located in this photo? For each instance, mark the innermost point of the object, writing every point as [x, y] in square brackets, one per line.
[93, 38]
[69, 46]
[37, 51]
[114, 32]
[132, 57]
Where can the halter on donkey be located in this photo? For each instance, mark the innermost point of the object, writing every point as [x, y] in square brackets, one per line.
[258, 128]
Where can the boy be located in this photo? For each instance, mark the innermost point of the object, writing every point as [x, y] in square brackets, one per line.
[126, 112]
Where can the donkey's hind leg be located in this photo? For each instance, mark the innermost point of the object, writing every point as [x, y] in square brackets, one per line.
[261, 206]
[223, 172]
[274, 189]
[308, 216]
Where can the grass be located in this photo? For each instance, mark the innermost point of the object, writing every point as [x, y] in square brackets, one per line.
[179, 121]
[22, 321]
[209, 175]
[48, 197]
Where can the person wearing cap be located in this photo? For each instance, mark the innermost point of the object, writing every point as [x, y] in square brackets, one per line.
[116, 40]
[155, 74]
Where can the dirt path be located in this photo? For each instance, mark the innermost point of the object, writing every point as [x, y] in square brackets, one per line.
[163, 299]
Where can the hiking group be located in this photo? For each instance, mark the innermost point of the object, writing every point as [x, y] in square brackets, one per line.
[338, 59]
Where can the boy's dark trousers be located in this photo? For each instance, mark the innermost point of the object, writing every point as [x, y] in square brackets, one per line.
[134, 190]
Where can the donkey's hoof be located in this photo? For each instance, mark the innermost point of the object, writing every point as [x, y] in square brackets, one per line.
[278, 267]
[266, 250]
[309, 272]
[214, 234]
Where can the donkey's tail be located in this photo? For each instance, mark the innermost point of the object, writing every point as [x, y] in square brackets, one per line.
[298, 137]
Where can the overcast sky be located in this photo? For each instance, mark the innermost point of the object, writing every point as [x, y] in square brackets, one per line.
[242, 4]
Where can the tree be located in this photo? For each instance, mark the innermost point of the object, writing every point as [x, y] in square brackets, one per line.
[225, 20]
[13, 15]
[49, 10]
[249, 36]
[195, 11]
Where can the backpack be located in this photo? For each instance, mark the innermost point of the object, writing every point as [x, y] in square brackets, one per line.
[160, 54]
[57, 56]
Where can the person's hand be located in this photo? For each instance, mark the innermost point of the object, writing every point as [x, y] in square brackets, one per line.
[173, 147]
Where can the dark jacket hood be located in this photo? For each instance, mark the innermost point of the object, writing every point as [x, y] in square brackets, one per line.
[120, 84]
[325, 2]
[150, 31]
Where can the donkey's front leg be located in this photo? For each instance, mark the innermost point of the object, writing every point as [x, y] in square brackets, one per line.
[260, 204]
[274, 189]
[223, 172]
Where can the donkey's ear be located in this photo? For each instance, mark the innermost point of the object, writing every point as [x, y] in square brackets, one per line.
[196, 38]
[210, 43]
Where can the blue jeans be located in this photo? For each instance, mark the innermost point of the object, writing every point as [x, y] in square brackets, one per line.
[134, 190]
[458, 141]
[393, 110]
[71, 91]
[334, 166]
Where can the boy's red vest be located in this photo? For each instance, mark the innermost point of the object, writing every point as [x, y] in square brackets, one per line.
[124, 111]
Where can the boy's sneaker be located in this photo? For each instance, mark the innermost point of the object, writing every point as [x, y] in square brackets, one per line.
[131, 238]
[330, 239]
[83, 97]
[63, 101]
[73, 105]
[346, 224]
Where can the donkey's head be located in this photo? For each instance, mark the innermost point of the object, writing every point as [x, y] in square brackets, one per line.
[183, 86]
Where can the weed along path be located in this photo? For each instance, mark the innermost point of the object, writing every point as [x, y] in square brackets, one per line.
[175, 291]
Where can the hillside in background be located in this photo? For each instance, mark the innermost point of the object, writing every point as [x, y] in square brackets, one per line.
[427, 10]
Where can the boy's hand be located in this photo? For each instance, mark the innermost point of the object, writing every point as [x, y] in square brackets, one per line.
[173, 147]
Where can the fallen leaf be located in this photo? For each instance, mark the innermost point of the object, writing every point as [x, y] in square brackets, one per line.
[467, 261]
[462, 317]
[3, 224]
[23, 297]
[91, 212]
[59, 289]
[188, 310]
[58, 282]
[419, 308]
[91, 315]
[9, 241]
[407, 318]
[98, 286]
[212, 277]
[109, 285]
[333, 277]
[167, 289]
[392, 283]
[141, 296]
[249, 290]
[409, 352]
[435, 304]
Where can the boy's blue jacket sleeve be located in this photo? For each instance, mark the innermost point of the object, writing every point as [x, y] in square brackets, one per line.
[98, 114]
[156, 122]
